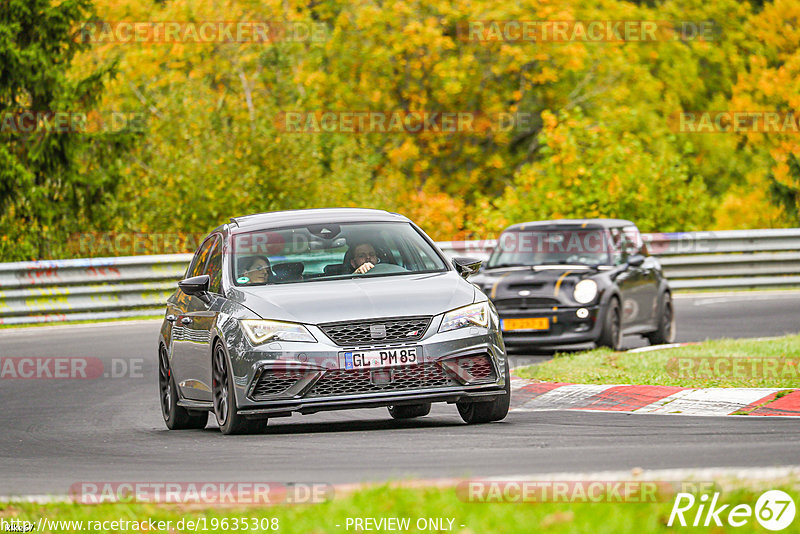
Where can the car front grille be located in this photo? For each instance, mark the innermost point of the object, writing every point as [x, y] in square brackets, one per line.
[466, 370]
[355, 382]
[370, 332]
[525, 303]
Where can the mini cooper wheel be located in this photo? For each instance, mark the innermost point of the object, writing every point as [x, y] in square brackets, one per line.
[225, 400]
[666, 324]
[611, 335]
[409, 411]
[486, 412]
[175, 417]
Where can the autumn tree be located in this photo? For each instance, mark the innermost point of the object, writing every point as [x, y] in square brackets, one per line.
[53, 179]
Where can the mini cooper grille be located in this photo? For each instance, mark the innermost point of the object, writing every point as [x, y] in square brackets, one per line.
[525, 303]
[376, 331]
[341, 382]
[271, 384]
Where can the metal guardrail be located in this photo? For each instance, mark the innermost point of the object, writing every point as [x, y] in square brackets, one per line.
[87, 289]
[98, 288]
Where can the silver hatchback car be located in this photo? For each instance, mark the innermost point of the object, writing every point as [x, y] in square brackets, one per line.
[327, 309]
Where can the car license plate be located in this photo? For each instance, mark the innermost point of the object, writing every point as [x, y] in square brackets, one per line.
[529, 323]
[370, 359]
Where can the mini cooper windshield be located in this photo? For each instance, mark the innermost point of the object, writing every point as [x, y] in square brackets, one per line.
[331, 251]
[552, 247]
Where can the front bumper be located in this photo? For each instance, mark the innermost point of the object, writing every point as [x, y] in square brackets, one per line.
[566, 328]
[307, 406]
[280, 378]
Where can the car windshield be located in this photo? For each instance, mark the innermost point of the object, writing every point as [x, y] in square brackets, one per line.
[331, 251]
[551, 247]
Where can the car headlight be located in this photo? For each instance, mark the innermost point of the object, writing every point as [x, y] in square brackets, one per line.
[472, 315]
[260, 331]
[585, 291]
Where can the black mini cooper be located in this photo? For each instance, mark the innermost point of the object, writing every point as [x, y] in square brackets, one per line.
[573, 281]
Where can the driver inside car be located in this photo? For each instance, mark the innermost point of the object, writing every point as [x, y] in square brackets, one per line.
[364, 258]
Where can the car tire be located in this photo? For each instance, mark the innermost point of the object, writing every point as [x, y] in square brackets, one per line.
[611, 335]
[175, 417]
[225, 399]
[486, 412]
[409, 411]
[666, 323]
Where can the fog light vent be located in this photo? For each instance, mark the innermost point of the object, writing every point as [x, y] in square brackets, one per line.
[470, 370]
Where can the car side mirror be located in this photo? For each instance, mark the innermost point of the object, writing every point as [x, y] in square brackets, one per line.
[196, 285]
[636, 260]
[467, 266]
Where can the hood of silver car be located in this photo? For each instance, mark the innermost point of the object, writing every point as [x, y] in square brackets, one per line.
[358, 298]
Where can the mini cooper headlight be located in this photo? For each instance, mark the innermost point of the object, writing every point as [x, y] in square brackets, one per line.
[585, 291]
[472, 315]
[260, 331]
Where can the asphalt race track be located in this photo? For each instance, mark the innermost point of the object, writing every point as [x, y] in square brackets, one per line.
[59, 432]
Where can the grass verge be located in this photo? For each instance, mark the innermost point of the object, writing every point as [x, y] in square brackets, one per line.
[771, 363]
[385, 501]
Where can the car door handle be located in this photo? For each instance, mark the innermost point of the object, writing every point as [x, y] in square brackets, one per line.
[171, 318]
[186, 320]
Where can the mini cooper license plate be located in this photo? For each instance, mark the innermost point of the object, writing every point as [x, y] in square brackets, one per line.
[529, 323]
[370, 359]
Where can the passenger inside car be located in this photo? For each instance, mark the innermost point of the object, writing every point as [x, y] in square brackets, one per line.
[255, 271]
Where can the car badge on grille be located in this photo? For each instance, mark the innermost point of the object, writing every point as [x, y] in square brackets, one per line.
[413, 333]
[377, 331]
[524, 293]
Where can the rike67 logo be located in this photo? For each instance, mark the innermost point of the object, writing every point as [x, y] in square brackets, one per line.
[774, 510]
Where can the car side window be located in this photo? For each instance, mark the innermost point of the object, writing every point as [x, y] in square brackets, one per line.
[633, 240]
[214, 267]
[618, 245]
[200, 257]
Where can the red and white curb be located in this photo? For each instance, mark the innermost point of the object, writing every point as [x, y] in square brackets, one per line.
[531, 396]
